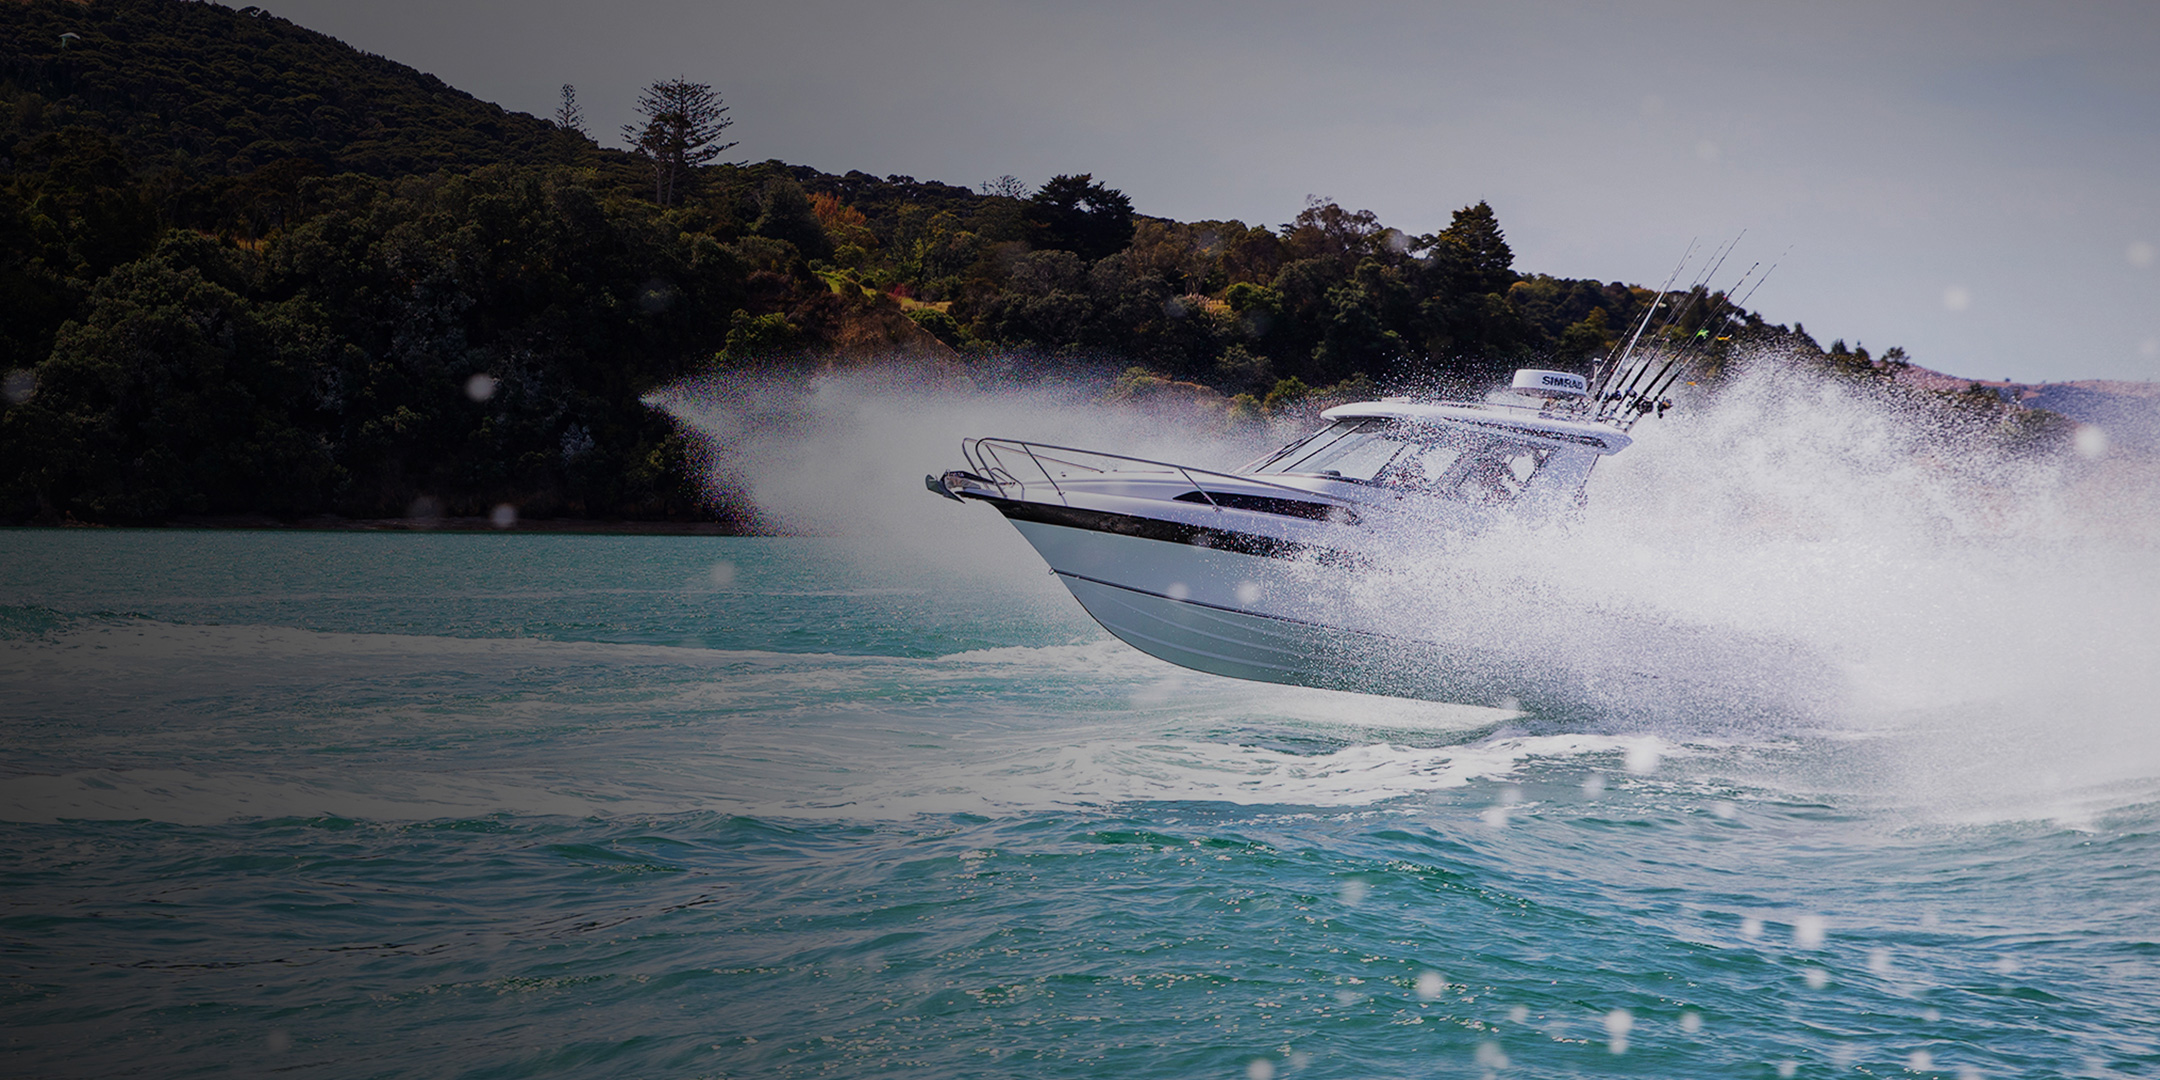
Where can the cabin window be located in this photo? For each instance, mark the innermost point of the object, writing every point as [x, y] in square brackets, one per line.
[1352, 449]
[1421, 465]
[1437, 459]
[1496, 473]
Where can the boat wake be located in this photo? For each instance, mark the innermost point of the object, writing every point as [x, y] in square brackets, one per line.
[1790, 557]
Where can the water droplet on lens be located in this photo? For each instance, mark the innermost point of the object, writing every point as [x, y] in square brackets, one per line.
[1594, 786]
[1691, 1021]
[504, 516]
[1520, 1014]
[1751, 928]
[1179, 591]
[425, 510]
[1617, 1025]
[1919, 1061]
[19, 386]
[1816, 978]
[722, 574]
[1787, 1068]
[1430, 985]
[1878, 961]
[1260, 1069]
[2090, 441]
[1353, 892]
[480, 387]
[1642, 757]
[1491, 1056]
[1808, 931]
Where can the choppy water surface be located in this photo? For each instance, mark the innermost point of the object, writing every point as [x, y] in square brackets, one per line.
[523, 805]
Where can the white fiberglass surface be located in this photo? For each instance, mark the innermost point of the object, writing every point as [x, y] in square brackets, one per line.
[1212, 576]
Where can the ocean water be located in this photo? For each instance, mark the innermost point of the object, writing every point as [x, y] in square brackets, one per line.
[884, 803]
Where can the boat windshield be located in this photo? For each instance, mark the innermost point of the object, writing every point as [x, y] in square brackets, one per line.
[1439, 459]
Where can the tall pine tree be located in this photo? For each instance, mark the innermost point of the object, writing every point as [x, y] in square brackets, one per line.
[683, 123]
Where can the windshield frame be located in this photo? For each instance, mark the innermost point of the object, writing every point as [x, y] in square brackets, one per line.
[1286, 460]
[1396, 460]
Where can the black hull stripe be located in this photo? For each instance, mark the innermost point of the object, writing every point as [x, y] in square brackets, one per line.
[1172, 532]
[1147, 528]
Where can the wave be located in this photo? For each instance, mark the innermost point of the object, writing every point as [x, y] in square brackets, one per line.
[1791, 557]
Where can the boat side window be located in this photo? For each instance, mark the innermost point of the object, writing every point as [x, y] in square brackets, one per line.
[1430, 451]
[1497, 472]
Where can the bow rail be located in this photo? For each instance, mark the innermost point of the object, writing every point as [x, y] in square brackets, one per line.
[995, 459]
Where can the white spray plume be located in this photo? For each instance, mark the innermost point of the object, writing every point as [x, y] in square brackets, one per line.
[1794, 540]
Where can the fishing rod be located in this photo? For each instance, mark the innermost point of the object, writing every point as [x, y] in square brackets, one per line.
[1695, 342]
[1702, 281]
[1619, 367]
[1633, 393]
[1648, 313]
[1734, 309]
[1620, 356]
[1705, 339]
[1765, 277]
[1654, 397]
[1612, 405]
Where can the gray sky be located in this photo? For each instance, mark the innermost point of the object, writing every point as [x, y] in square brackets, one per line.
[1976, 181]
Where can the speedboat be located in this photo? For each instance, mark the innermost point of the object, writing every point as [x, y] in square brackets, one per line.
[1268, 572]
[1328, 562]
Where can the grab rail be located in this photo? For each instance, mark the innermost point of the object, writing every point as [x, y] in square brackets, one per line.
[983, 455]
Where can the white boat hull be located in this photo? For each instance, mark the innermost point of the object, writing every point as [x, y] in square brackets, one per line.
[1256, 617]
[1304, 622]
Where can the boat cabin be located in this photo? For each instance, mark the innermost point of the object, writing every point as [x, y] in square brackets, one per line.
[1467, 453]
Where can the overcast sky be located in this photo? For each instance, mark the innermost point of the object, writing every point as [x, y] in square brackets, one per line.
[1978, 182]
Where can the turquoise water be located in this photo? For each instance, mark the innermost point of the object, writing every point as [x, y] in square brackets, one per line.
[525, 805]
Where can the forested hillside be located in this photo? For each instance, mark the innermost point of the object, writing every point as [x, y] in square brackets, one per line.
[247, 269]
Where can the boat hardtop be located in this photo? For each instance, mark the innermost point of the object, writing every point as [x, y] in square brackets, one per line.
[1532, 422]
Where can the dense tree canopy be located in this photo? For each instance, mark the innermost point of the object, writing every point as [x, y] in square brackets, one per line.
[248, 269]
[1076, 214]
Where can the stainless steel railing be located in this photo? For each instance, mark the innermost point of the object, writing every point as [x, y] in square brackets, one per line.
[994, 459]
